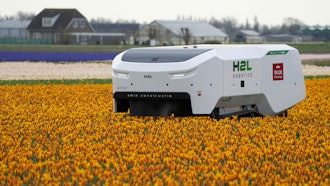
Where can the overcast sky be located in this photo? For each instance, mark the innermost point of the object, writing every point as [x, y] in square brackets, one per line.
[144, 11]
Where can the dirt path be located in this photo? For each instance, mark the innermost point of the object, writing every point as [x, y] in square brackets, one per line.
[45, 70]
[314, 56]
[312, 70]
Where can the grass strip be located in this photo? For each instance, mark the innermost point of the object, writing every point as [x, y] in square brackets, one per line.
[312, 48]
[67, 48]
[317, 62]
[317, 77]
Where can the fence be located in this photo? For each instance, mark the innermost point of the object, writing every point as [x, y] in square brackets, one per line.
[25, 41]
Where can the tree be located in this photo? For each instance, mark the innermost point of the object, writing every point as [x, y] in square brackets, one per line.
[152, 32]
[21, 16]
[135, 34]
[227, 24]
[185, 35]
[247, 24]
[100, 20]
[24, 16]
[291, 25]
[265, 29]
[256, 24]
[125, 21]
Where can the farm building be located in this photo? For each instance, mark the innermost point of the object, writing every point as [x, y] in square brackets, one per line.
[317, 33]
[161, 32]
[94, 38]
[57, 24]
[286, 38]
[13, 31]
[130, 30]
[246, 36]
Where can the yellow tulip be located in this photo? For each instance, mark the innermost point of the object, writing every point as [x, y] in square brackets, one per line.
[68, 134]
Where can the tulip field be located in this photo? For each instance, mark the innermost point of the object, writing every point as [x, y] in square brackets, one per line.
[55, 56]
[68, 135]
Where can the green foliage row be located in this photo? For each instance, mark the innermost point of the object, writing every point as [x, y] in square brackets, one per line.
[66, 48]
[312, 48]
[317, 77]
[317, 62]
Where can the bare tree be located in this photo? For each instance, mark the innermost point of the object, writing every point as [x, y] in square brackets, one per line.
[125, 21]
[135, 34]
[247, 24]
[291, 25]
[18, 16]
[185, 35]
[227, 24]
[100, 20]
[24, 16]
[152, 32]
[256, 24]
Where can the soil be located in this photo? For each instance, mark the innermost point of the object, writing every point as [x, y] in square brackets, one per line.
[46, 70]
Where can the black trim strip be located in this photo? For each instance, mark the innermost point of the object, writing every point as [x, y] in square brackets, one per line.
[161, 55]
[152, 95]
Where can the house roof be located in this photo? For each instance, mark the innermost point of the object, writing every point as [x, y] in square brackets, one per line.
[115, 27]
[249, 32]
[14, 24]
[196, 28]
[62, 21]
[312, 28]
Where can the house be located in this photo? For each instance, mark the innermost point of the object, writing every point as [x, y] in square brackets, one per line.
[130, 30]
[162, 32]
[246, 36]
[57, 24]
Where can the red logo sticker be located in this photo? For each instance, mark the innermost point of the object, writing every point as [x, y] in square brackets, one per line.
[278, 71]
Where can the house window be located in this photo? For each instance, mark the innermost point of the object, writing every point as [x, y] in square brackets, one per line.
[82, 23]
[83, 38]
[57, 37]
[75, 24]
[37, 35]
[46, 22]
[48, 35]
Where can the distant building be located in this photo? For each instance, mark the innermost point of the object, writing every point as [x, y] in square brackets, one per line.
[58, 24]
[160, 32]
[14, 32]
[14, 29]
[130, 30]
[316, 33]
[282, 38]
[246, 36]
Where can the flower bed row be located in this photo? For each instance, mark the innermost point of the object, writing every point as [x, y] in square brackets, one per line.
[55, 56]
[69, 135]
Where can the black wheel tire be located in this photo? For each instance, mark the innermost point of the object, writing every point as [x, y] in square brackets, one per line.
[215, 113]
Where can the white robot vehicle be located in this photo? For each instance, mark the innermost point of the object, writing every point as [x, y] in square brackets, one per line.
[216, 80]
